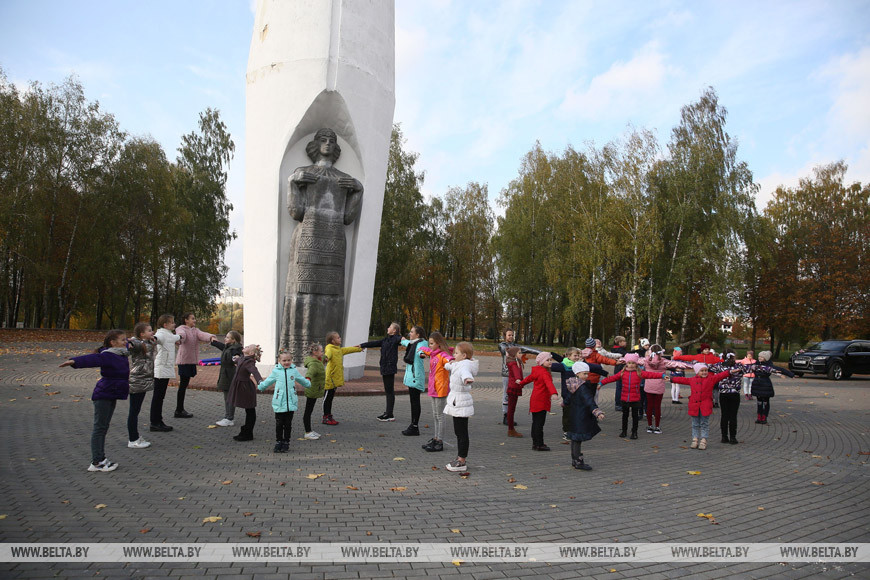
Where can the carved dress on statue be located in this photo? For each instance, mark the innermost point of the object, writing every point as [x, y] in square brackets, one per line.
[324, 200]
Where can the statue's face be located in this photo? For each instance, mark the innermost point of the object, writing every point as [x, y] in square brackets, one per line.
[327, 145]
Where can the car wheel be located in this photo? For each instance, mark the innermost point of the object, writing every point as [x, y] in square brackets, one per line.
[798, 374]
[835, 371]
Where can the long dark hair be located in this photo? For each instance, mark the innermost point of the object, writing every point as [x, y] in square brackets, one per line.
[110, 336]
[440, 341]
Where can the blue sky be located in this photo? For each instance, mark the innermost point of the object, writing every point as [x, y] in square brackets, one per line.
[477, 83]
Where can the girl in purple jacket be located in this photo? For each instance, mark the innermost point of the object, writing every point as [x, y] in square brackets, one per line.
[114, 384]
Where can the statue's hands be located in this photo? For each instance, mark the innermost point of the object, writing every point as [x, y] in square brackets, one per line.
[347, 183]
[306, 177]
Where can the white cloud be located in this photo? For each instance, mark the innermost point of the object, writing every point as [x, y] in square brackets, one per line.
[849, 116]
[621, 90]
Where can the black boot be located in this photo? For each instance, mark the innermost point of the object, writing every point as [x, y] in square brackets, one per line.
[411, 430]
[580, 464]
[246, 434]
[633, 435]
[504, 419]
[623, 433]
[434, 445]
[279, 447]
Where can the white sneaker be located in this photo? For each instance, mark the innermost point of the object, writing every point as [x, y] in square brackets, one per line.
[312, 435]
[104, 465]
[225, 423]
[138, 444]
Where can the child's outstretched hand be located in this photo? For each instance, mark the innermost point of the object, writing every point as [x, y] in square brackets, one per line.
[517, 381]
[68, 363]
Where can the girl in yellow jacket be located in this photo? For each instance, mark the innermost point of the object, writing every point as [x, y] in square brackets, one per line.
[334, 354]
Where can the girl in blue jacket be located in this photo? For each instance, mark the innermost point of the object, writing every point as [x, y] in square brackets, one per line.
[284, 401]
[113, 360]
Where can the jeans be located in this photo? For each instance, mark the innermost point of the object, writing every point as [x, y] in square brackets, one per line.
[414, 395]
[309, 408]
[438, 414]
[136, 400]
[282, 425]
[700, 427]
[675, 391]
[635, 415]
[460, 428]
[390, 390]
[157, 401]
[504, 395]
[538, 420]
[730, 403]
[746, 383]
[229, 410]
[103, 411]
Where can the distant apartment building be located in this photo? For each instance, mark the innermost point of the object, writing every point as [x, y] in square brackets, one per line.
[230, 296]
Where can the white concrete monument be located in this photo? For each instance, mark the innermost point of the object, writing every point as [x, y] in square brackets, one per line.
[315, 64]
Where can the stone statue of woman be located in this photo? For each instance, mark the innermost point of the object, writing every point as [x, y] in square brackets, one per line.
[324, 200]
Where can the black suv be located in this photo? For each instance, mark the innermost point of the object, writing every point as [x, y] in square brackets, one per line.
[838, 359]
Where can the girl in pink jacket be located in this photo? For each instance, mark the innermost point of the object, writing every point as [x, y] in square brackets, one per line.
[655, 388]
[187, 358]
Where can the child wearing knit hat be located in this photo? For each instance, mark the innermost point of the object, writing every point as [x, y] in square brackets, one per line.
[542, 393]
[583, 412]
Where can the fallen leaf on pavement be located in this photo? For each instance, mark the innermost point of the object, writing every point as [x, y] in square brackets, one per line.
[361, 449]
[315, 475]
[212, 427]
[434, 468]
[211, 519]
[368, 533]
[457, 562]
[456, 530]
[694, 472]
[283, 483]
[246, 514]
[227, 482]
[2, 516]
[352, 488]
[818, 483]
[144, 530]
[520, 486]
[552, 505]
[253, 534]
[252, 454]
[665, 484]
[761, 509]
[400, 488]
[100, 506]
[618, 482]
[511, 480]
[398, 458]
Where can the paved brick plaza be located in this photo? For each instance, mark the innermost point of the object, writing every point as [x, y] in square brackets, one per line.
[639, 490]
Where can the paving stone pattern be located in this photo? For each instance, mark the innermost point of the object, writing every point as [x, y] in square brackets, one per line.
[639, 491]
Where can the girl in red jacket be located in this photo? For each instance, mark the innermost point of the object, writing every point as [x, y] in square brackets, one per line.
[631, 385]
[701, 401]
[542, 393]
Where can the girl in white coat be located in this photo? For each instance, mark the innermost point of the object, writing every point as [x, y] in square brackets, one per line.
[459, 404]
[164, 368]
